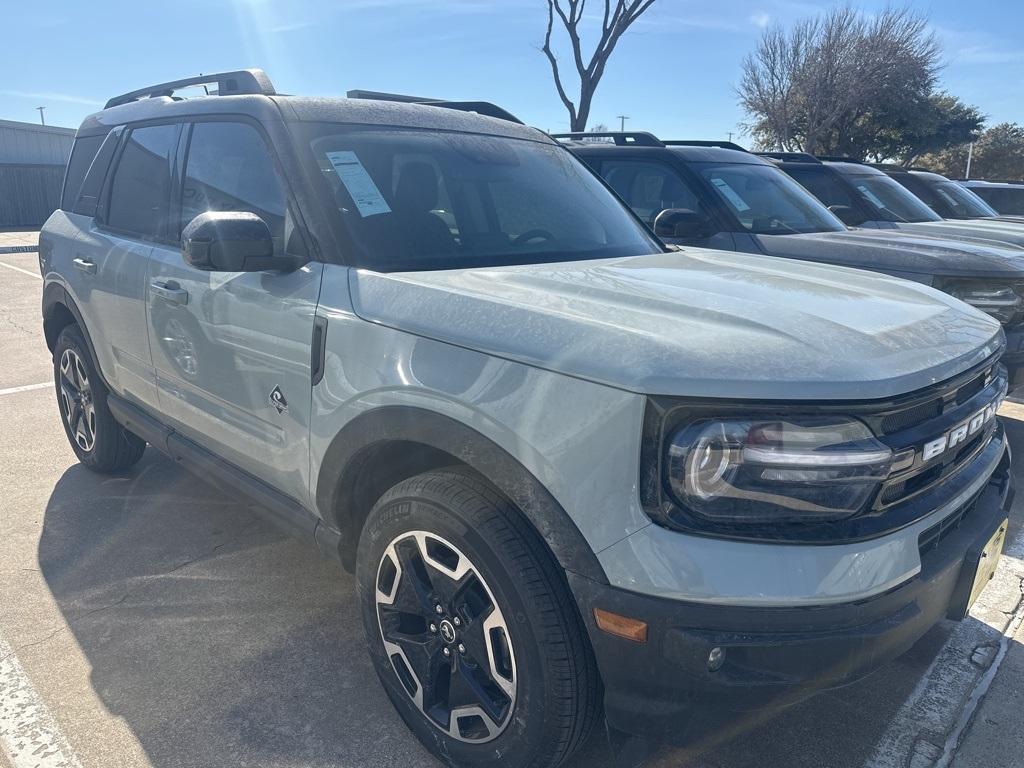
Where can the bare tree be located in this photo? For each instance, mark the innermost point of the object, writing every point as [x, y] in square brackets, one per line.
[808, 88]
[618, 16]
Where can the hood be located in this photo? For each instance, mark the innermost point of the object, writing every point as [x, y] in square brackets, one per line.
[985, 231]
[695, 323]
[899, 251]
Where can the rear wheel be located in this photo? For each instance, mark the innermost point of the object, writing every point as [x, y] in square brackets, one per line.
[100, 443]
[471, 626]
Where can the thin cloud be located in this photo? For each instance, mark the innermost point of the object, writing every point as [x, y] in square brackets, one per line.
[66, 98]
[760, 19]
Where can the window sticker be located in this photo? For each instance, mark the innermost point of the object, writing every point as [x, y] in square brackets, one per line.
[875, 201]
[357, 181]
[730, 194]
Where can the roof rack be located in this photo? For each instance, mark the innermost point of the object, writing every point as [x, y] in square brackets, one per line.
[703, 143]
[621, 138]
[791, 157]
[485, 108]
[241, 81]
[841, 159]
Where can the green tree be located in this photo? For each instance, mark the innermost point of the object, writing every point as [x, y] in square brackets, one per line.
[907, 129]
[998, 154]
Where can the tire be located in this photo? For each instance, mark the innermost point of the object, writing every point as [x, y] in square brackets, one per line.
[100, 443]
[539, 675]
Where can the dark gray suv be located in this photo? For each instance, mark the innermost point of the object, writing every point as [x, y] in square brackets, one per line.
[717, 195]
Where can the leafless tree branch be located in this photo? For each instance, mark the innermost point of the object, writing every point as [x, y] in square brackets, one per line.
[617, 18]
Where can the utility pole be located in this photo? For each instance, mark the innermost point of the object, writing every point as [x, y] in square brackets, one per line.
[970, 156]
[622, 121]
[730, 135]
[41, 118]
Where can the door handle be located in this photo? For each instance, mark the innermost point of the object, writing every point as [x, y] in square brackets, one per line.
[85, 265]
[170, 291]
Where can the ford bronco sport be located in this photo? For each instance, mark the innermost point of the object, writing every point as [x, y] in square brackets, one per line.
[863, 196]
[715, 194]
[570, 470]
[944, 196]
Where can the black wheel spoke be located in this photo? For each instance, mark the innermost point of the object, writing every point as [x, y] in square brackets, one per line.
[435, 627]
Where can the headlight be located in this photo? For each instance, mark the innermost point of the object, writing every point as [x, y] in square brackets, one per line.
[1000, 300]
[801, 468]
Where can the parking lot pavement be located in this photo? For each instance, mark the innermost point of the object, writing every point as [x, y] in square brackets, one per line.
[160, 622]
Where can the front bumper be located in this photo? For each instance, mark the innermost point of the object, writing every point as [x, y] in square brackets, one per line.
[774, 656]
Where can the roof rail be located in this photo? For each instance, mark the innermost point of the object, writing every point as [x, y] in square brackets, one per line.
[790, 157]
[621, 138]
[480, 107]
[703, 143]
[841, 159]
[241, 81]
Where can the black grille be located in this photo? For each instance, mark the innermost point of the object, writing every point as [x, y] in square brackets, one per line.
[942, 397]
[911, 417]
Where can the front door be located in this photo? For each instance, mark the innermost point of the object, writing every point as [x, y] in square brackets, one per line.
[232, 350]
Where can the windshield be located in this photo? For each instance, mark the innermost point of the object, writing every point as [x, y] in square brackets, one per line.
[417, 200]
[964, 203]
[890, 200]
[767, 201]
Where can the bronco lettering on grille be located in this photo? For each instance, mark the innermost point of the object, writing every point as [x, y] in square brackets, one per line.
[959, 433]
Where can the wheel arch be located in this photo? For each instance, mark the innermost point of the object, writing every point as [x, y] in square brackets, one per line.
[60, 311]
[384, 446]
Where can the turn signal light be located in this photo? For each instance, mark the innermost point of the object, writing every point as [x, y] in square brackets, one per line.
[621, 626]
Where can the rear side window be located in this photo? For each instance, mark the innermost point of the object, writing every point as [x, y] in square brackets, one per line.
[141, 189]
[229, 168]
[82, 153]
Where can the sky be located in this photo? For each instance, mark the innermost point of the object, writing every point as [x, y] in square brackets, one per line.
[674, 73]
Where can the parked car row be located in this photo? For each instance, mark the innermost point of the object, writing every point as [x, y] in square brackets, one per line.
[717, 195]
[577, 472]
[1006, 197]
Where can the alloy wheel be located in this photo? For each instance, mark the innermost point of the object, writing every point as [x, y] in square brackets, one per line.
[446, 637]
[77, 400]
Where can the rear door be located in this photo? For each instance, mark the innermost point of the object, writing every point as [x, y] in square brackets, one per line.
[232, 350]
[111, 258]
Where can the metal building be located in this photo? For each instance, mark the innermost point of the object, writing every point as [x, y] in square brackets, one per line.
[32, 162]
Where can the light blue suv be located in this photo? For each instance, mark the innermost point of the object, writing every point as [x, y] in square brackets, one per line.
[574, 473]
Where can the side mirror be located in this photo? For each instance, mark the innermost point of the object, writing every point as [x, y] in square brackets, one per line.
[231, 241]
[847, 215]
[681, 222]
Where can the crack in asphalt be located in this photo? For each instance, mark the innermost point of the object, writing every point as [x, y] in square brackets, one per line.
[120, 601]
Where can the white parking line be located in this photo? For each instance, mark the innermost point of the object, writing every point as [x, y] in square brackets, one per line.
[29, 735]
[36, 275]
[25, 388]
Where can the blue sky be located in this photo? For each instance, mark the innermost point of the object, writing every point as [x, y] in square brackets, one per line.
[673, 74]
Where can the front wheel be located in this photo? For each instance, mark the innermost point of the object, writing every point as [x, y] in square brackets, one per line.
[471, 626]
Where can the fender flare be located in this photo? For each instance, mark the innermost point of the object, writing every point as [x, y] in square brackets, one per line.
[54, 296]
[337, 498]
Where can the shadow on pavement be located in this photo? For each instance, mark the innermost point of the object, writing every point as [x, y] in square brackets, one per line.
[221, 642]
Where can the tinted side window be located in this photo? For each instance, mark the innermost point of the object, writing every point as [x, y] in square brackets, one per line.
[89, 194]
[82, 153]
[648, 188]
[821, 184]
[229, 168]
[141, 190]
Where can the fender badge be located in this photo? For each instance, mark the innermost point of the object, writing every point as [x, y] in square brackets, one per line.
[277, 400]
